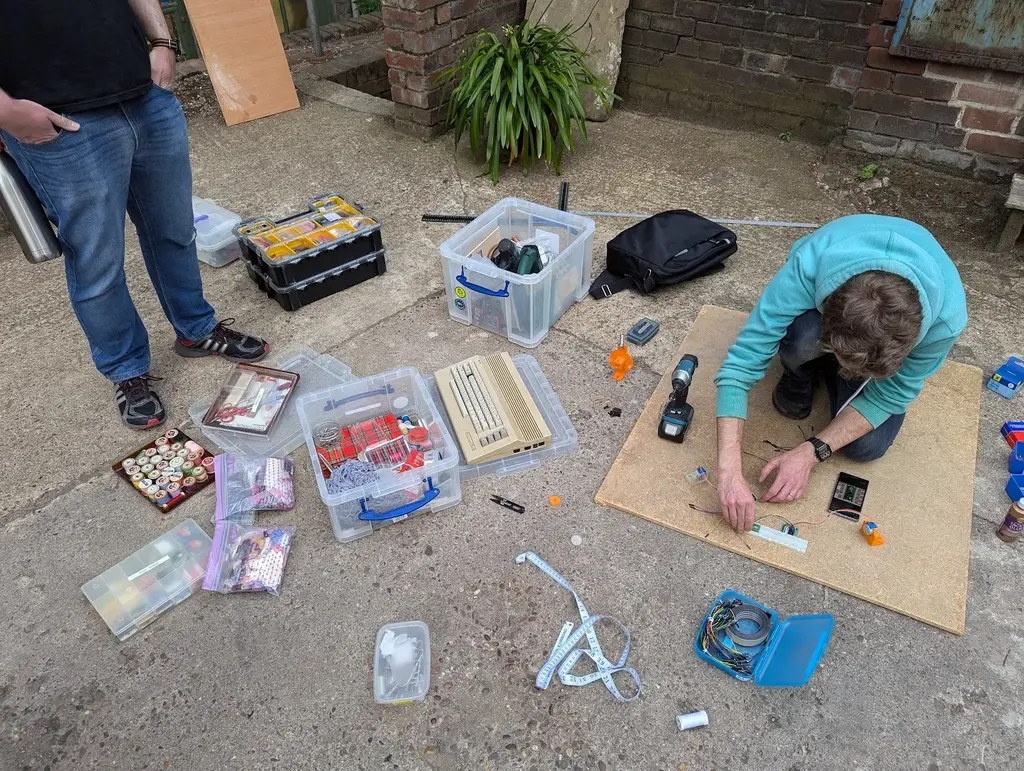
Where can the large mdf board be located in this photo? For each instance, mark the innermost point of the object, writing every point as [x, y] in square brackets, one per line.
[920, 493]
[244, 56]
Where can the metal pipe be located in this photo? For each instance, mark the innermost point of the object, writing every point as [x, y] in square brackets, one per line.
[643, 216]
[314, 28]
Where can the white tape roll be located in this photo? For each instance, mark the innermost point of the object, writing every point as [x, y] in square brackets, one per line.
[692, 720]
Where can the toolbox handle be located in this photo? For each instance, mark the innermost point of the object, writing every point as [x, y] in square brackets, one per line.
[369, 515]
[461, 278]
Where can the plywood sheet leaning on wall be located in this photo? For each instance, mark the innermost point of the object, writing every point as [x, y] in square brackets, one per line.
[921, 492]
[244, 56]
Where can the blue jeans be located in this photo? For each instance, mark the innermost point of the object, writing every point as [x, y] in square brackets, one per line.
[800, 353]
[129, 156]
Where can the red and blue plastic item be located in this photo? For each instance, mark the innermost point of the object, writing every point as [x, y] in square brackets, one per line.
[1013, 432]
[1017, 458]
[1007, 380]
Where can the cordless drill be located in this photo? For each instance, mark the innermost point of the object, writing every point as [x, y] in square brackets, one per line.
[677, 415]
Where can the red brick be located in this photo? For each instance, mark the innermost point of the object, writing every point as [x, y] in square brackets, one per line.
[857, 36]
[846, 77]
[639, 55]
[815, 50]
[869, 15]
[835, 32]
[719, 33]
[905, 128]
[414, 20]
[935, 112]
[696, 10]
[879, 58]
[790, 25]
[741, 17]
[1008, 147]
[403, 61]
[881, 101]
[809, 70]
[987, 120]
[762, 41]
[732, 56]
[444, 14]
[890, 10]
[415, 5]
[688, 47]
[955, 72]
[462, 8]
[851, 57]
[862, 120]
[880, 36]
[423, 99]
[710, 51]
[915, 85]
[672, 24]
[878, 80]
[990, 96]
[950, 136]
[659, 40]
[837, 10]
[638, 19]
[1005, 79]
[427, 42]
[393, 38]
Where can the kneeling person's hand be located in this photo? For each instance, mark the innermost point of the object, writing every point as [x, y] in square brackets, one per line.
[792, 471]
[737, 501]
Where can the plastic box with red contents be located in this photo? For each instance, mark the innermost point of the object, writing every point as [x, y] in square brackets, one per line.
[364, 408]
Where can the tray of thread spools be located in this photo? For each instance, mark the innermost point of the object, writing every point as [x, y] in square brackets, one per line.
[303, 258]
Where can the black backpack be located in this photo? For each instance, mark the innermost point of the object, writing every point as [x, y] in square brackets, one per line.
[665, 249]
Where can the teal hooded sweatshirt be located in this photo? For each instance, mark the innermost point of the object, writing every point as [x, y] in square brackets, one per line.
[816, 266]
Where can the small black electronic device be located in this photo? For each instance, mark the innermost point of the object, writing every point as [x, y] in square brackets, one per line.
[849, 496]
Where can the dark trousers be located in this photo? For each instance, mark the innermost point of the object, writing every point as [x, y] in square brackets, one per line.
[800, 353]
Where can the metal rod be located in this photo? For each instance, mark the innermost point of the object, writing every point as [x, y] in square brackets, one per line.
[314, 28]
[643, 216]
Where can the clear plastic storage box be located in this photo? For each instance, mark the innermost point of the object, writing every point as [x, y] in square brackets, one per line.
[396, 494]
[564, 439]
[519, 308]
[160, 575]
[316, 372]
[401, 663]
[216, 242]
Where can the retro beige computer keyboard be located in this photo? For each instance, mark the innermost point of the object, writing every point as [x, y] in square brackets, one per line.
[492, 413]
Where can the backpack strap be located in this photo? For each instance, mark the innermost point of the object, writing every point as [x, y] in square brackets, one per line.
[608, 284]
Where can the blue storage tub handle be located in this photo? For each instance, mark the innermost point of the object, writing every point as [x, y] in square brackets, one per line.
[461, 278]
[369, 515]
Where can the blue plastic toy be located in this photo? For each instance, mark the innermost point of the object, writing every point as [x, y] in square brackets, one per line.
[789, 655]
[1017, 458]
[1007, 380]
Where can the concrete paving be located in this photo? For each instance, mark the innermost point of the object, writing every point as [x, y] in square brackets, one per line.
[262, 682]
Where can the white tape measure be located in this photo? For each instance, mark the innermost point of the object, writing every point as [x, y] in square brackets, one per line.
[565, 654]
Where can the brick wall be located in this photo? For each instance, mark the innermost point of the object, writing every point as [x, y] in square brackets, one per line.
[792, 64]
[425, 36]
[942, 114]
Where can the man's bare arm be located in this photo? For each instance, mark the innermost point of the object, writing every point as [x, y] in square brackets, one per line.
[846, 427]
[151, 18]
[733, 491]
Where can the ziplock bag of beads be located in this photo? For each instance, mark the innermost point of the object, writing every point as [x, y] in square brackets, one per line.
[247, 558]
[248, 484]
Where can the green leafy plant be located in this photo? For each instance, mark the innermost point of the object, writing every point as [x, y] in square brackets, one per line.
[521, 98]
[868, 171]
[367, 6]
[786, 136]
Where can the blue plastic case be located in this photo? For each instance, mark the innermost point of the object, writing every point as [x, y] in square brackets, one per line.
[792, 651]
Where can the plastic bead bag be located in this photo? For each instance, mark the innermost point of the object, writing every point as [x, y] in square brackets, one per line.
[247, 558]
[249, 484]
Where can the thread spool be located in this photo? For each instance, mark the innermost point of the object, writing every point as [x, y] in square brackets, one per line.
[161, 441]
[171, 433]
[192, 446]
[176, 446]
[691, 720]
[208, 464]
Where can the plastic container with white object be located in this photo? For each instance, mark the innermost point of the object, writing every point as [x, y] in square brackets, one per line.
[216, 243]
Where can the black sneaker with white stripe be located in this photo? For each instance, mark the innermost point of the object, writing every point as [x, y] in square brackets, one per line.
[138, 404]
[226, 342]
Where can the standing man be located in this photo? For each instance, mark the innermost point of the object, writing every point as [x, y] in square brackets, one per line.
[872, 304]
[87, 113]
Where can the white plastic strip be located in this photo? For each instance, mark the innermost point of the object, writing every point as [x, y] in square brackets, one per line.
[635, 215]
[777, 536]
[565, 654]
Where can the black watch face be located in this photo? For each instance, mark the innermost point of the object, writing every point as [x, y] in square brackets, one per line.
[821, 450]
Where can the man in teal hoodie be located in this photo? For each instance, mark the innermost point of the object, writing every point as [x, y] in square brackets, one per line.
[872, 304]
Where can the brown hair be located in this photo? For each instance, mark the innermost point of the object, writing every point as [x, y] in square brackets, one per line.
[871, 323]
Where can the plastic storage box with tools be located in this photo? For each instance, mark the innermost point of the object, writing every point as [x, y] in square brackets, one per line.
[216, 242]
[333, 233]
[521, 308]
[357, 416]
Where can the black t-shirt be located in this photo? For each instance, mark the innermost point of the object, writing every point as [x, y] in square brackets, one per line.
[72, 55]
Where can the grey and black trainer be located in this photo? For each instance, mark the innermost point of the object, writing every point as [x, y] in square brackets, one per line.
[793, 397]
[226, 342]
[138, 404]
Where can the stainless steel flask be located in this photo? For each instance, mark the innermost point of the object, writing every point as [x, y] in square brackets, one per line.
[25, 214]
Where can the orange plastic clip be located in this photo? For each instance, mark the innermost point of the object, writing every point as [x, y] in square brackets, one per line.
[620, 360]
[872, 534]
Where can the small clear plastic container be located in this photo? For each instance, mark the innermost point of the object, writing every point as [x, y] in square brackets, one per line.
[401, 663]
[395, 496]
[316, 372]
[216, 242]
[520, 308]
[160, 575]
[564, 439]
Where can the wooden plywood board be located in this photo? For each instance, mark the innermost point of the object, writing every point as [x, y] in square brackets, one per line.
[920, 494]
[244, 56]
